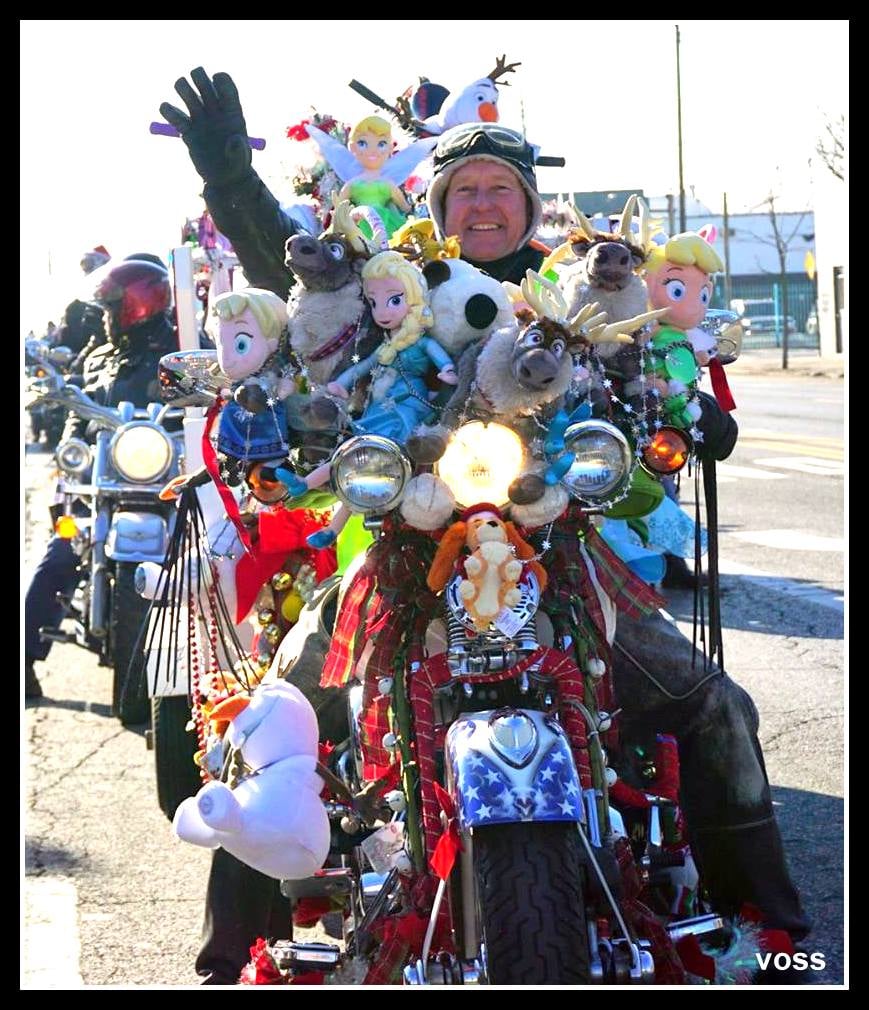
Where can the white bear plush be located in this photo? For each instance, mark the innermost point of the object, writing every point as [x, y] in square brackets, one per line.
[273, 820]
[466, 304]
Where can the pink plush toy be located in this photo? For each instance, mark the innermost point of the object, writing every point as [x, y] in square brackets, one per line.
[273, 819]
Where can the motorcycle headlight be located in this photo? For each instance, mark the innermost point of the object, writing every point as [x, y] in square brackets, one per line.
[141, 452]
[73, 456]
[602, 462]
[481, 462]
[369, 473]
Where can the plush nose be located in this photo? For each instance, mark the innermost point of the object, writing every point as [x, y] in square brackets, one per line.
[536, 369]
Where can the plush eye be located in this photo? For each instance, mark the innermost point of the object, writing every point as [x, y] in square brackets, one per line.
[481, 98]
[362, 144]
[557, 348]
[336, 250]
[243, 343]
[395, 301]
[381, 144]
[675, 290]
[705, 296]
[533, 337]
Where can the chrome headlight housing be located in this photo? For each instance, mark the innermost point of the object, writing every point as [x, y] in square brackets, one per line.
[602, 463]
[141, 452]
[369, 473]
[481, 462]
[73, 456]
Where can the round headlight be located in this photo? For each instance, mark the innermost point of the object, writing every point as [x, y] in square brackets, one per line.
[481, 462]
[369, 473]
[141, 452]
[73, 456]
[601, 467]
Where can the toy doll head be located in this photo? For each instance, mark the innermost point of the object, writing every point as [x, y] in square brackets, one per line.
[251, 323]
[678, 278]
[371, 143]
[398, 296]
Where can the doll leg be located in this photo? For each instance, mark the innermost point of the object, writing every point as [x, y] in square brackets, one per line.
[296, 485]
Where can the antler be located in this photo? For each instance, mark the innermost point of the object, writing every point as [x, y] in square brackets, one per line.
[502, 67]
[558, 255]
[618, 333]
[588, 320]
[344, 225]
[583, 222]
[624, 229]
[547, 301]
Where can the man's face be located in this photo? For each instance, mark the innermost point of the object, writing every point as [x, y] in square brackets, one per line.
[486, 207]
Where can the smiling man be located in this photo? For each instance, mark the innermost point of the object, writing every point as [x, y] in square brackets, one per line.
[484, 191]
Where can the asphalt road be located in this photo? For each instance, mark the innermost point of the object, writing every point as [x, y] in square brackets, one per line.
[111, 899]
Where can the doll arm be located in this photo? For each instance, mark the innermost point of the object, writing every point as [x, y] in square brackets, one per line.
[441, 360]
[399, 199]
[350, 375]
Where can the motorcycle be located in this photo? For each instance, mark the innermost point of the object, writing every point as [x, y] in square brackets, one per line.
[504, 848]
[40, 360]
[108, 510]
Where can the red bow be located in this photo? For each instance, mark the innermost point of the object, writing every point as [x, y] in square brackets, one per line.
[449, 844]
[720, 387]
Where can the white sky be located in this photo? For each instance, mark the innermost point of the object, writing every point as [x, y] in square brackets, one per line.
[753, 95]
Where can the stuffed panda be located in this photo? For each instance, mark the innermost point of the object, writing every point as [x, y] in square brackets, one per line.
[466, 304]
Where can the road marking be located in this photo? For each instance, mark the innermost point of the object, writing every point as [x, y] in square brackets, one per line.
[798, 590]
[791, 540]
[731, 471]
[51, 946]
[767, 434]
[805, 464]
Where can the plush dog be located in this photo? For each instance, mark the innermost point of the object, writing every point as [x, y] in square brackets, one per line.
[273, 819]
[493, 568]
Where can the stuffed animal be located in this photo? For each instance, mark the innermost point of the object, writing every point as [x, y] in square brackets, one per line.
[477, 102]
[273, 819]
[493, 567]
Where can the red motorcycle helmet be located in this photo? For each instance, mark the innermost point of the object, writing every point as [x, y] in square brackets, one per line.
[132, 291]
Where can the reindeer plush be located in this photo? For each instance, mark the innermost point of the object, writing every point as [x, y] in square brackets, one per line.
[522, 370]
[492, 569]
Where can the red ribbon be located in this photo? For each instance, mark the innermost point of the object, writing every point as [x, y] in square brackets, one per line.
[720, 387]
[209, 458]
[449, 844]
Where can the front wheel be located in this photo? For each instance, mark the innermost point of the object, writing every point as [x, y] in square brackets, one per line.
[532, 906]
[174, 747]
[129, 612]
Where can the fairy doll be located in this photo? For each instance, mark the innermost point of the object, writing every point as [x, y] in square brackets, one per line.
[371, 173]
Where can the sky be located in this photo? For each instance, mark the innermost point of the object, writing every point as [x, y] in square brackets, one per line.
[600, 93]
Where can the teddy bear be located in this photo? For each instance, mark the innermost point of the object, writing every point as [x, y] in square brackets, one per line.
[272, 819]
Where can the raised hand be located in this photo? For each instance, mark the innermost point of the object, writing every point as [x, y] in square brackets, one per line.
[213, 128]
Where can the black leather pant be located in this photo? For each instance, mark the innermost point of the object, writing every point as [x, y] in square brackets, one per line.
[725, 790]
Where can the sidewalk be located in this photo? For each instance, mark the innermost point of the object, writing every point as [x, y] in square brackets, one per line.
[802, 364]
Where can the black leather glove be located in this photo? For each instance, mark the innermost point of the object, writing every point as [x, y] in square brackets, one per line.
[214, 131]
[719, 428]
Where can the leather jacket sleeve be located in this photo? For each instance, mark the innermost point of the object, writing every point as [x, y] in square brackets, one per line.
[252, 219]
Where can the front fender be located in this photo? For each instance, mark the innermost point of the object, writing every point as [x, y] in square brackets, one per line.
[511, 765]
[137, 536]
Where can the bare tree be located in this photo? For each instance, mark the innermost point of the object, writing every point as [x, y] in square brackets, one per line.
[830, 147]
[781, 242]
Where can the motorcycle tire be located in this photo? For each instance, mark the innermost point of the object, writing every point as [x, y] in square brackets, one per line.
[532, 906]
[130, 701]
[174, 746]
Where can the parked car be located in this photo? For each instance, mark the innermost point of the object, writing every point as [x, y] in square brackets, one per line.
[759, 316]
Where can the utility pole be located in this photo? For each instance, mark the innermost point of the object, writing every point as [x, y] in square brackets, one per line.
[727, 290]
[682, 224]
